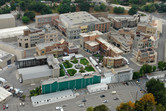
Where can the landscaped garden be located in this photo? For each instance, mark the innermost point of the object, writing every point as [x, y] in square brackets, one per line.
[84, 61]
[76, 66]
[67, 64]
[89, 68]
[71, 72]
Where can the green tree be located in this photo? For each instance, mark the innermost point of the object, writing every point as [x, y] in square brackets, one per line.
[103, 7]
[25, 19]
[72, 8]
[101, 108]
[63, 8]
[30, 15]
[154, 68]
[137, 75]
[97, 8]
[132, 10]
[146, 68]
[118, 10]
[84, 6]
[161, 65]
[160, 107]
[90, 109]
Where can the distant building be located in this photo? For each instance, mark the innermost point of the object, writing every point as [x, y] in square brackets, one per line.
[6, 59]
[42, 20]
[122, 22]
[55, 48]
[113, 62]
[72, 24]
[118, 75]
[145, 55]
[52, 98]
[7, 21]
[156, 75]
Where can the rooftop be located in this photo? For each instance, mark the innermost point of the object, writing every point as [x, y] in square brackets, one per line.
[12, 32]
[158, 73]
[92, 43]
[51, 95]
[109, 46]
[4, 94]
[47, 15]
[6, 16]
[35, 72]
[93, 33]
[4, 55]
[78, 18]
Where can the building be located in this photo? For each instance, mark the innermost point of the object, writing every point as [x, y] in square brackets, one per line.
[42, 20]
[92, 42]
[33, 36]
[108, 49]
[113, 62]
[52, 98]
[33, 70]
[7, 21]
[145, 55]
[34, 74]
[56, 48]
[126, 31]
[118, 75]
[124, 42]
[4, 95]
[72, 49]
[72, 24]
[72, 82]
[122, 22]
[6, 59]
[9, 33]
[97, 87]
[156, 75]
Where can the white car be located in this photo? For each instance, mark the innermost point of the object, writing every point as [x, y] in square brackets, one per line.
[81, 105]
[105, 101]
[58, 108]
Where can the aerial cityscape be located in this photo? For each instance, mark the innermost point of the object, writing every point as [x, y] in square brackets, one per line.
[82, 55]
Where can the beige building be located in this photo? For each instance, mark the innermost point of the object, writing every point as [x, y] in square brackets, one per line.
[33, 36]
[6, 59]
[7, 21]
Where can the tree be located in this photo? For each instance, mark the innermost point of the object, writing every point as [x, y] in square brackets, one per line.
[25, 19]
[103, 7]
[126, 106]
[72, 8]
[146, 68]
[160, 107]
[118, 10]
[161, 65]
[90, 109]
[146, 103]
[158, 89]
[101, 108]
[97, 8]
[132, 10]
[63, 8]
[136, 75]
[154, 68]
[46, 10]
[18, 16]
[84, 6]
[30, 15]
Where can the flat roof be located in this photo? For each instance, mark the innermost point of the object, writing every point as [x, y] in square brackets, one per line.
[46, 15]
[4, 55]
[158, 73]
[93, 33]
[4, 94]
[6, 16]
[58, 94]
[35, 72]
[12, 32]
[110, 46]
[78, 18]
[92, 43]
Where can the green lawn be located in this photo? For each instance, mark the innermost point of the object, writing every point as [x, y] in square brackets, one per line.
[67, 64]
[75, 61]
[84, 61]
[71, 72]
[89, 68]
[62, 72]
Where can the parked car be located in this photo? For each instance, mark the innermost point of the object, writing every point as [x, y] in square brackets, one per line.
[4, 107]
[6, 86]
[105, 101]
[102, 96]
[7, 106]
[58, 108]
[116, 98]
[81, 105]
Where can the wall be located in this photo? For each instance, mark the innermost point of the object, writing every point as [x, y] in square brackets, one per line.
[73, 84]
[7, 23]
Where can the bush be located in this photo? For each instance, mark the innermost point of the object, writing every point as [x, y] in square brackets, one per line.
[84, 61]
[25, 19]
[89, 68]
[30, 15]
[71, 72]
[75, 61]
[118, 10]
[67, 64]
[35, 92]
[82, 70]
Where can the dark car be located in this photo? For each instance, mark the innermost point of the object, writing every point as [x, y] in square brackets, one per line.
[116, 98]
[102, 96]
